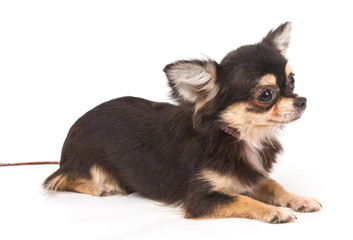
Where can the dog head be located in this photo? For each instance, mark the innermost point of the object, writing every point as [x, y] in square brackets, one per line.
[251, 91]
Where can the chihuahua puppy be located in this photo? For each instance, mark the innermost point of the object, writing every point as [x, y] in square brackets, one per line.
[210, 153]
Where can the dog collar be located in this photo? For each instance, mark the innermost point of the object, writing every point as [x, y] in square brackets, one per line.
[230, 131]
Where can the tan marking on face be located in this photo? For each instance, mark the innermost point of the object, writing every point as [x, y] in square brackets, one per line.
[288, 69]
[284, 111]
[283, 105]
[256, 127]
[268, 80]
[238, 116]
[253, 127]
[224, 183]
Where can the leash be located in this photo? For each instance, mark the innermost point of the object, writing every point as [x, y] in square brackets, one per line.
[27, 163]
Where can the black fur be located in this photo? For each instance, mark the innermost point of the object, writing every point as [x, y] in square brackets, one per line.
[159, 149]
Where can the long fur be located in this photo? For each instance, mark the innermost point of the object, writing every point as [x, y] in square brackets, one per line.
[178, 153]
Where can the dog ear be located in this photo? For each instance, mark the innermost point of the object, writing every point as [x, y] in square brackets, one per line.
[280, 37]
[193, 81]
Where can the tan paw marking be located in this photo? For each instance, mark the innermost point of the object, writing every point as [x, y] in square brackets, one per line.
[278, 215]
[303, 204]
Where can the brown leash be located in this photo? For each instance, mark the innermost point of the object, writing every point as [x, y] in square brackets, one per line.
[27, 163]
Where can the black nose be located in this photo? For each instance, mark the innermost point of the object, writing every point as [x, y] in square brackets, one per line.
[300, 102]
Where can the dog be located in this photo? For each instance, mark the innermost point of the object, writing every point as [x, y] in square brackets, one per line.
[211, 152]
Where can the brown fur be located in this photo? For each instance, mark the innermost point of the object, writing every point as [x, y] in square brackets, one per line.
[209, 153]
[271, 192]
[288, 69]
[99, 184]
[245, 207]
[268, 80]
[222, 183]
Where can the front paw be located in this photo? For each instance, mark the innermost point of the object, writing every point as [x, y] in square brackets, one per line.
[277, 215]
[303, 204]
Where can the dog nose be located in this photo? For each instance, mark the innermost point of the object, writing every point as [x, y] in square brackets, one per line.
[300, 102]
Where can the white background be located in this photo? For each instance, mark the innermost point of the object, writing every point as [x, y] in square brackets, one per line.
[59, 59]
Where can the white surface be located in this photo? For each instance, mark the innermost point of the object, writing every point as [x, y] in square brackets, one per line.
[59, 59]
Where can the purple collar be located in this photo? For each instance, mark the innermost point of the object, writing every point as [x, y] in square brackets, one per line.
[231, 131]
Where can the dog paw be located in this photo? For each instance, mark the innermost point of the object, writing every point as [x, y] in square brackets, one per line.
[303, 204]
[105, 192]
[278, 215]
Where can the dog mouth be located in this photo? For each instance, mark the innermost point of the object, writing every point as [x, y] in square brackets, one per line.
[283, 121]
[286, 119]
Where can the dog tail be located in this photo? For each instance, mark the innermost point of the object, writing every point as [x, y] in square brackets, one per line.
[58, 181]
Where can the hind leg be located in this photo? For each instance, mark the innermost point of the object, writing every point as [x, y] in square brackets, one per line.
[100, 183]
[92, 187]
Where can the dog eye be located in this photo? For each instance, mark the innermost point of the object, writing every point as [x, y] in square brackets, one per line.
[266, 96]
